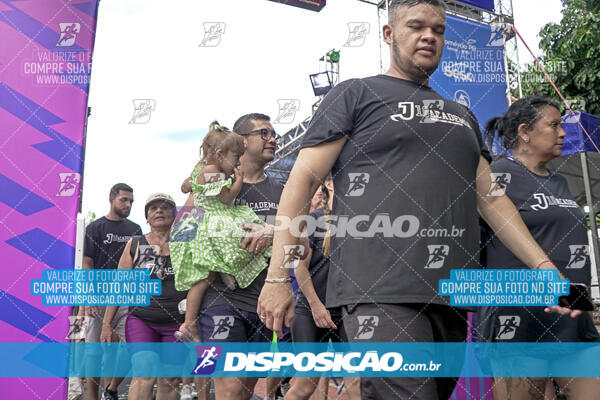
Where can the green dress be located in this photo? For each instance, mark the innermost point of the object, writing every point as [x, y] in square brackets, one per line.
[210, 240]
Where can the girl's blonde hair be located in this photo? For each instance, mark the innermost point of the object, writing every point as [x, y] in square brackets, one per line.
[220, 138]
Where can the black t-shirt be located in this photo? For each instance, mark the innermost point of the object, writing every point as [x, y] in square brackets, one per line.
[409, 165]
[163, 309]
[105, 240]
[319, 264]
[263, 199]
[558, 225]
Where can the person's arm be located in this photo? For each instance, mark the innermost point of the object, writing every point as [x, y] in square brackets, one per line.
[312, 166]
[186, 186]
[503, 217]
[227, 195]
[125, 262]
[92, 311]
[320, 313]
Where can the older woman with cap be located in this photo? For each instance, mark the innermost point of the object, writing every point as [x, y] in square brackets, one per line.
[158, 321]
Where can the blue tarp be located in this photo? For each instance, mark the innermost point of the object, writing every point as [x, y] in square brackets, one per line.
[577, 141]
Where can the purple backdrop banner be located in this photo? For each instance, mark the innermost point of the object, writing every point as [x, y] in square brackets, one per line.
[45, 58]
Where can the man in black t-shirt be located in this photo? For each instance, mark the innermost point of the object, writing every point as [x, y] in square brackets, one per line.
[105, 239]
[230, 315]
[410, 172]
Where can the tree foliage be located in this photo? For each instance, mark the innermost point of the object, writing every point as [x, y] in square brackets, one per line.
[571, 55]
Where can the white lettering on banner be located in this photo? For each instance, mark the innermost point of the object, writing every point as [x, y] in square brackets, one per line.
[323, 362]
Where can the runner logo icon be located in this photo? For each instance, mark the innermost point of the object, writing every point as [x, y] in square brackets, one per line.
[223, 324]
[357, 33]
[69, 181]
[358, 183]
[68, 33]
[207, 359]
[437, 255]
[579, 256]
[142, 110]
[508, 326]
[366, 326]
[292, 253]
[500, 181]
[496, 38]
[212, 34]
[287, 111]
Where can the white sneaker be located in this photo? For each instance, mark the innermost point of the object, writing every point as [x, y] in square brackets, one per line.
[186, 392]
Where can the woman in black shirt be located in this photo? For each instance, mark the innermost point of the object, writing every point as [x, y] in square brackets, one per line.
[158, 322]
[532, 130]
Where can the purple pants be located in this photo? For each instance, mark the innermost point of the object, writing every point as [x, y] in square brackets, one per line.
[139, 331]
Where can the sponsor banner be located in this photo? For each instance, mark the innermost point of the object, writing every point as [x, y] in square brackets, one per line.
[503, 287]
[471, 71]
[485, 4]
[308, 359]
[46, 54]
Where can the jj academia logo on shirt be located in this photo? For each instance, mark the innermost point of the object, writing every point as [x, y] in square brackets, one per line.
[432, 111]
[113, 237]
[544, 201]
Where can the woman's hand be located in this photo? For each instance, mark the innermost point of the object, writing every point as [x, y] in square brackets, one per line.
[107, 334]
[322, 316]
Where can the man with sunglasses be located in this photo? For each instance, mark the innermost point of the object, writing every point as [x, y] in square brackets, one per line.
[230, 315]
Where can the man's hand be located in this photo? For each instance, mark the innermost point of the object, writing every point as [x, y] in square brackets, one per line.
[276, 306]
[93, 311]
[258, 239]
[563, 311]
[322, 316]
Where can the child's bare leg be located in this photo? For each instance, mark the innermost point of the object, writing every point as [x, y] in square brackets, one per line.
[228, 280]
[194, 301]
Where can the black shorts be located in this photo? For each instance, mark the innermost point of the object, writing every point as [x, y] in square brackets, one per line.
[225, 323]
[406, 323]
[304, 328]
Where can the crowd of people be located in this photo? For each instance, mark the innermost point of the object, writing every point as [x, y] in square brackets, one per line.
[434, 166]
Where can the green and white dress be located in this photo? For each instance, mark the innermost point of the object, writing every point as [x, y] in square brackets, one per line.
[210, 240]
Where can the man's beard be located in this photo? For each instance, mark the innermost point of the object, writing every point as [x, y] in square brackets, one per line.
[414, 70]
[121, 213]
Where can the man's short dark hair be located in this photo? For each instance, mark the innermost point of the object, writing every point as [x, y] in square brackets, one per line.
[114, 191]
[244, 123]
[396, 4]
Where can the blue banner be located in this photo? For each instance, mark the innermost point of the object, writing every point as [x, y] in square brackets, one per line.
[471, 70]
[304, 359]
[485, 4]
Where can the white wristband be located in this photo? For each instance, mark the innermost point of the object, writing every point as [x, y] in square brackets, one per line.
[278, 280]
